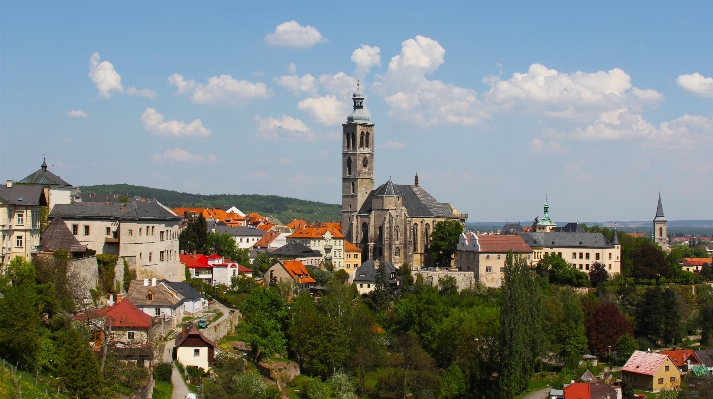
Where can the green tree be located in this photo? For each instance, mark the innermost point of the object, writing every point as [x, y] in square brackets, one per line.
[265, 313]
[649, 314]
[80, 373]
[453, 383]
[406, 275]
[557, 271]
[627, 390]
[520, 326]
[598, 274]
[382, 294]
[444, 241]
[625, 347]
[262, 262]
[195, 236]
[563, 321]
[650, 262]
[671, 332]
[448, 285]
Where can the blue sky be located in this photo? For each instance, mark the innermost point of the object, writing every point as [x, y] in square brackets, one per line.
[598, 105]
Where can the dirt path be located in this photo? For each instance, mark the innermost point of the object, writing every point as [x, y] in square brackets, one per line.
[180, 390]
[541, 394]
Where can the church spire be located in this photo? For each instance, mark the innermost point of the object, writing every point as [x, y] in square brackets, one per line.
[659, 208]
[44, 164]
[358, 115]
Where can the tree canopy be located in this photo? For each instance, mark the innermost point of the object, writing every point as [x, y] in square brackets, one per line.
[444, 241]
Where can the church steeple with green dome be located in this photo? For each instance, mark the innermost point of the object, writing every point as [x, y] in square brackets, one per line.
[546, 224]
[358, 115]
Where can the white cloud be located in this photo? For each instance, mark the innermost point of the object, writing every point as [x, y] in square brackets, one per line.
[77, 113]
[292, 34]
[578, 95]
[148, 93]
[296, 84]
[325, 110]
[366, 57]
[154, 123]
[223, 89]
[180, 155]
[104, 76]
[339, 84]
[284, 127]
[696, 84]
[415, 99]
[392, 145]
[537, 145]
[285, 161]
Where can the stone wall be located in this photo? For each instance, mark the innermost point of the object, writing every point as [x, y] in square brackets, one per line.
[171, 271]
[463, 279]
[83, 275]
[216, 331]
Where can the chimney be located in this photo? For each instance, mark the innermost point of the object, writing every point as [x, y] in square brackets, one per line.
[146, 282]
[184, 329]
[8, 184]
[153, 282]
[107, 201]
[119, 298]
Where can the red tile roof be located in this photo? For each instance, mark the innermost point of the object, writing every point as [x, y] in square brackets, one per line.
[266, 239]
[644, 363]
[349, 247]
[194, 261]
[696, 261]
[123, 315]
[682, 356]
[297, 224]
[242, 269]
[502, 243]
[316, 232]
[577, 390]
[298, 271]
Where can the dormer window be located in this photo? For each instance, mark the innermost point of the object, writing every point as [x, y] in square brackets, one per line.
[149, 295]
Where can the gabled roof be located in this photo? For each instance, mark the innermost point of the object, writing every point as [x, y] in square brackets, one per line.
[22, 195]
[123, 315]
[183, 289]
[45, 178]
[196, 211]
[567, 240]
[295, 250]
[645, 363]
[600, 390]
[588, 377]
[681, 357]
[570, 228]
[696, 261]
[349, 247]
[499, 243]
[194, 261]
[315, 232]
[417, 201]
[266, 239]
[148, 210]
[387, 189]
[138, 295]
[193, 332]
[367, 271]
[297, 224]
[705, 356]
[511, 228]
[57, 236]
[298, 271]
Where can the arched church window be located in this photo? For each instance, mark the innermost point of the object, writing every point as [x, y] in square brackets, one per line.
[353, 140]
[365, 162]
[364, 232]
[660, 231]
[426, 236]
[381, 252]
[396, 233]
[352, 192]
[381, 234]
[349, 166]
[415, 237]
[361, 140]
[347, 140]
[398, 251]
[367, 140]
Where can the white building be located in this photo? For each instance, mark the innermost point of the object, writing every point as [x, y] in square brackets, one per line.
[328, 241]
[20, 220]
[244, 236]
[157, 300]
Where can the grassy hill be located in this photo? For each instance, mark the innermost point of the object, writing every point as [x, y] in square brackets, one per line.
[283, 208]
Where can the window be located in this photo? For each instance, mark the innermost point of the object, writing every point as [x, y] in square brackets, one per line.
[610, 266]
[609, 255]
[86, 230]
[162, 256]
[586, 256]
[131, 232]
[20, 218]
[153, 230]
[488, 269]
[574, 255]
[502, 270]
[398, 251]
[672, 379]
[196, 352]
[596, 256]
[660, 380]
[18, 241]
[349, 170]
[667, 368]
[108, 231]
[158, 312]
[149, 295]
[130, 335]
[487, 257]
[361, 285]
[580, 266]
[580, 255]
[150, 256]
[356, 256]
[498, 257]
[140, 231]
[368, 286]
[559, 254]
[75, 229]
[586, 266]
[162, 236]
[141, 255]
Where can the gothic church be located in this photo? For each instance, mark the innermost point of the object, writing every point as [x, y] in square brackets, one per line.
[393, 222]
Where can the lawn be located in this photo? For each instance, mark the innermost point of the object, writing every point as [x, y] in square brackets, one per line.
[162, 390]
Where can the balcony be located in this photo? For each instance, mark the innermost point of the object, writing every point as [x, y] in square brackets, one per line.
[328, 247]
[112, 240]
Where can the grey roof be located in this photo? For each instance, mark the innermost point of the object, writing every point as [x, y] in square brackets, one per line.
[22, 195]
[511, 227]
[367, 272]
[570, 228]
[138, 295]
[387, 190]
[183, 289]
[238, 231]
[417, 201]
[659, 209]
[615, 240]
[567, 240]
[94, 197]
[295, 250]
[705, 356]
[57, 236]
[149, 210]
[44, 177]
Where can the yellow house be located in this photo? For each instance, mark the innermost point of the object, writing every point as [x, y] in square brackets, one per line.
[352, 257]
[651, 371]
[20, 207]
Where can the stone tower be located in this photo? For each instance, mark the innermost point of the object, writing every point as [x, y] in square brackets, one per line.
[357, 164]
[660, 227]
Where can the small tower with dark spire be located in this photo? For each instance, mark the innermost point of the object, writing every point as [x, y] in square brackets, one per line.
[660, 227]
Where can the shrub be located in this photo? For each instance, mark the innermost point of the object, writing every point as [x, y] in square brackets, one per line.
[162, 371]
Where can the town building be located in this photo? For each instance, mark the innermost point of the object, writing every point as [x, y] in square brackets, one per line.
[352, 258]
[213, 269]
[270, 242]
[191, 299]
[684, 359]
[245, 237]
[145, 232]
[651, 371]
[20, 208]
[155, 299]
[365, 276]
[292, 271]
[296, 251]
[484, 255]
[328, 241]
[695, 265]
[58, 236]
[661, 228]
[392, 222]
[192, 348]
[56, 190]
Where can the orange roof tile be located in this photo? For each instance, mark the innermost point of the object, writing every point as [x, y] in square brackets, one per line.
[349, 247]
[198, 211]
[315, 232]
[265, 240]
[266, 226]
[298, 271]
[502, 243]
[696, 261]
[681, 357]
[297, 224]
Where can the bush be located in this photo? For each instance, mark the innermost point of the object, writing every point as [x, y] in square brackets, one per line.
[162, 371]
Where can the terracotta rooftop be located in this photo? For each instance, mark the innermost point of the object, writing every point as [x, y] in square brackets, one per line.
[502, 243]
[316, 232]
[123, 315]
[696, 261]
[297, 224]
[298, 271]
[644, 363]
[681, 357]
[266, 239]
[349, 247]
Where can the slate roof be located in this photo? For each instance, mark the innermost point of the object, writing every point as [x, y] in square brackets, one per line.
[510, 228]
[138, 295]
[149, 210]
[22, 195]
[417, 201]
[44, 177]
[659, 209]
[238, 231]
[57, 236]
[600, 390]
[588, 377]
[295, 250]
[183, 289]
[570, 228]
[367, 272]
[644, 363]
[705, 356]
[387, 190]
[567, 240]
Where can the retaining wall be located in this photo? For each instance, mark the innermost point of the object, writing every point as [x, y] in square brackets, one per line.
[463, 279]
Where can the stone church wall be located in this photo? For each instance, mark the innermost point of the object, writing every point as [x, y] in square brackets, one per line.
[463, 279]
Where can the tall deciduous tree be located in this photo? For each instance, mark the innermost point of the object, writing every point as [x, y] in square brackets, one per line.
[598, 274]
[265, 313]
[606, 326]
[195, 236]
[650, 262]
[444, 241]
[80, 373]
[520, 326]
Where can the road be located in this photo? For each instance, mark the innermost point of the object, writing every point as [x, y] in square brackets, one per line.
[541, 394]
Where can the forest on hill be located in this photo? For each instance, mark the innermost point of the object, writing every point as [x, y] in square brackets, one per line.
[283, 208]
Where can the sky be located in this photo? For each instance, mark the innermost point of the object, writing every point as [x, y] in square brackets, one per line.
[595, 106]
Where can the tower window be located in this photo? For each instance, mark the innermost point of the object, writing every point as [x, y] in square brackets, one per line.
[365, 162]
[660, 231]
[367, 140]
[361, 140]
[349, 167]
[353, 186]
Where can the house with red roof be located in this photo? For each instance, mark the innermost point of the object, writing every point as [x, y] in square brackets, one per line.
[352, 258]
[651, 371]
[270, 241]
[695, 264]
[290, 270]
[325, 238]
[577, 390]
[682, 358]
[484, 255]
[213, 269]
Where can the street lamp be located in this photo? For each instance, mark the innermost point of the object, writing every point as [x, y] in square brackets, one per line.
[609, 356]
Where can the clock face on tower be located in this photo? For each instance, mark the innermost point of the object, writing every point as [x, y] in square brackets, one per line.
[365, 162]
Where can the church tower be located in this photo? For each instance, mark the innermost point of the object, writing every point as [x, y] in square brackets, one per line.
[660, 227]
[357, 164]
